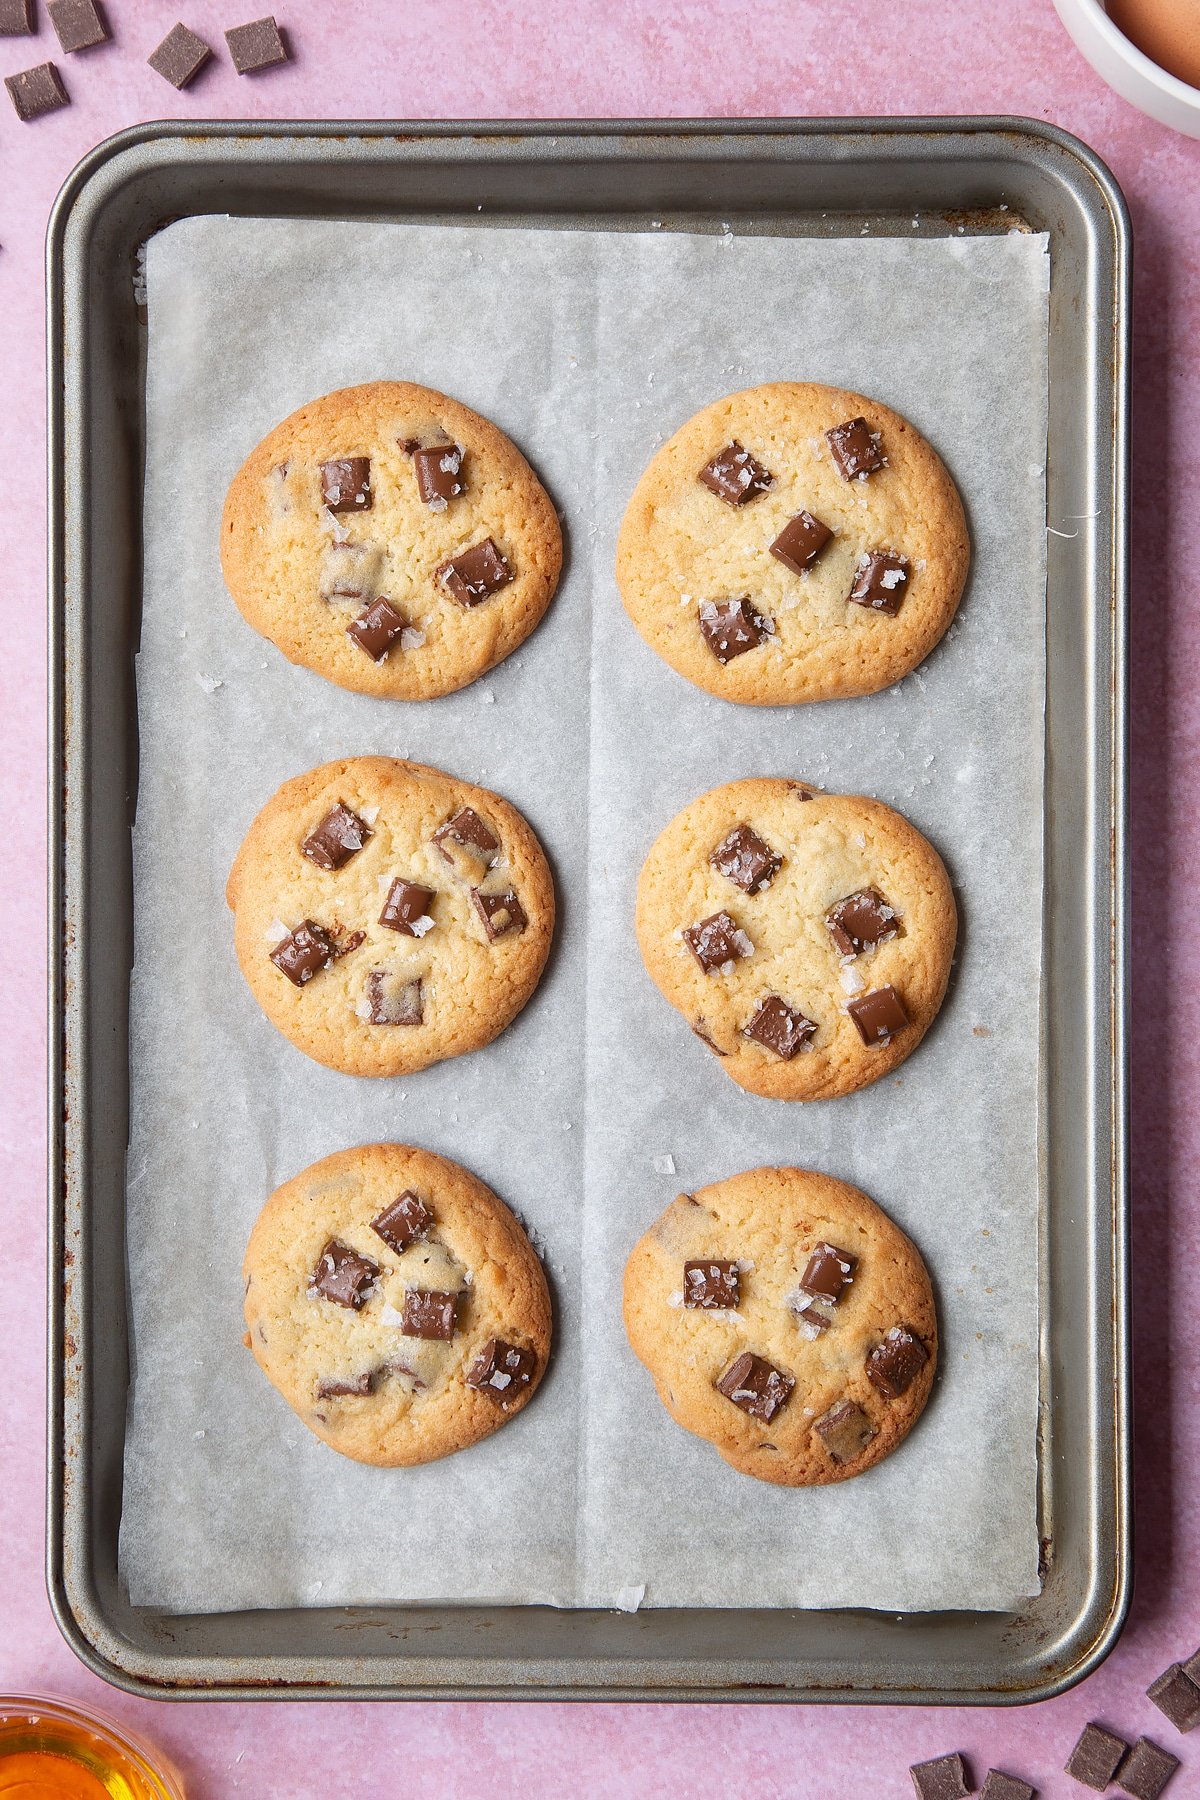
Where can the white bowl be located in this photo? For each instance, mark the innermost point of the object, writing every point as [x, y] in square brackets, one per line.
[1127, 70]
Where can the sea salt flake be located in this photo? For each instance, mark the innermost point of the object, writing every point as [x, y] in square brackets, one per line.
[628, 1599]
[210, 683]
[664, 1165]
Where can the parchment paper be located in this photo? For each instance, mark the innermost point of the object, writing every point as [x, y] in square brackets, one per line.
[589, 349]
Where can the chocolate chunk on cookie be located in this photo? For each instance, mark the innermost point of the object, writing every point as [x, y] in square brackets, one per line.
[735, 476]
[880, 582]
[894, 1365]
[801, 542]
[340, 834]
[756, 1385]
[710, 1285]
[743, 858]
[780, 1028]
[731, 627]
[396, 1304]
[717, 943]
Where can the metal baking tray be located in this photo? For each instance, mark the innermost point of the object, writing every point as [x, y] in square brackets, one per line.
[824, 177]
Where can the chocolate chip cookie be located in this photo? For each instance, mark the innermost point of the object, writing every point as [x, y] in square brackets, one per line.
[391, 539]
[396, 1304]
[793, 542]
[786, 1319]
[806, 938]
[388, 916]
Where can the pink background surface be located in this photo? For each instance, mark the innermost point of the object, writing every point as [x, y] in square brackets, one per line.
[539, 58]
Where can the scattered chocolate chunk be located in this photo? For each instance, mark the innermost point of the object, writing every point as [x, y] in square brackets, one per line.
[717, 943]
[1178, 1696]
[377, 629]
[1191, 1668]
[829, 1272]
[879, 1015]
[702, 1032]
[756, 1385]
[845, 1430]
[1146, 1771]
[350, 572]
[894, 1365]
[812, 1317]
[335, 840]
[304, 952]
[735, 476]
[393, 998]
[78, 24]
[801, 542]
[402, 1222]
[941, 1778]
[36, 91]
[502, 1371]
[429, 1315]
[180, 57]
[346, 481]
[779, 1027]
[1094, 1759]
[258, 45]
[501, 913]
[746, 860]
[732, 627]
[713, 1286]
[468, 844]
[338, 1387]
[439, 475]
[16, 18]
[476, 574]
[861, 921]
[880, 582]
[856, 449]
[999, 1786]
[406, 908]
[343, 1276]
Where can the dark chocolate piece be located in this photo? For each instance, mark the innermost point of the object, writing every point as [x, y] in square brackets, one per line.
[502, 1371]
[746, 860]
[394, 998]
[710, 1285]
[756, 1385]
[845, 1430]
[468, 844]
[1094, 1759]
[36, 91]
[429, 1315]
[999, 1786]
[731, 627]
[476, 574]
[801, 542]
[716, 942]
[180, 57]
[78, 24]
[829, 1273]
[779, 1027]
[735, 476]
[439, 475]
[879, 1015]
[1147, 1769]
[861, 921]
[343, 1276]
[500, 913]
[856, 449]
[258, 45]
[894, 1365]
[880, 582]
[406, 908]
[337, 1387]
[16, 18]
[1191, 1668]
[304, 952]
[941, 1778]
[377, 629]
[1178, 1696]
[346, 481]
[403, 1221]
[336, 839]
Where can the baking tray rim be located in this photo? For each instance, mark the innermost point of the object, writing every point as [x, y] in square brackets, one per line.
[101, 1651]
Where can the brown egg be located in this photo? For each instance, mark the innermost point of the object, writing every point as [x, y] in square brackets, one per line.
[1167, 31]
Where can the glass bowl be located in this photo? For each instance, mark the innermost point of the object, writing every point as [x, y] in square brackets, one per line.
[52, 1748]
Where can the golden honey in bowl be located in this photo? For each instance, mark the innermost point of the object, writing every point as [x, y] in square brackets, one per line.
[1167, 31]
[53, 1751]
